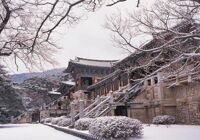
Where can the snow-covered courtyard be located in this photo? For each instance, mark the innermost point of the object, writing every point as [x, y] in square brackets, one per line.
[42, 132]
[171, 132]
[32, 132]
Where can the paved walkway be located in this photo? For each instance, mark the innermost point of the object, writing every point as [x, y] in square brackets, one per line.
[32, 132]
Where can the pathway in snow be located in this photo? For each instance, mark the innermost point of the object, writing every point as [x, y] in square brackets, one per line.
[32, 132]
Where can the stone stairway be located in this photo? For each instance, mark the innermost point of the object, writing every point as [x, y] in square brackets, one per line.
[100, 105]
[131, 91]
[103, 105]
[98, 109]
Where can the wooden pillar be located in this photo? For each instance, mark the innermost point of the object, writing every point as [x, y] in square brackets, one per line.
[177, 79]
[160, 91]
[146, 108]
[119, 84]
[160, 86]
[113, 112]
[129, 82]
[104, 90]
[100, 91]
[126, 96]
[111, 86]
[129, 112]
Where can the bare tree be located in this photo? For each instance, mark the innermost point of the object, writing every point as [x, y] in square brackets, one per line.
[26, 26]
[174, 47]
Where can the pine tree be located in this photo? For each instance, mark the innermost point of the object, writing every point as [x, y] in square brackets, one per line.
[10, 101]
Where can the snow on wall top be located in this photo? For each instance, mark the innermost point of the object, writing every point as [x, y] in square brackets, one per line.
[93, 62]
[54, 92]
[68, 83]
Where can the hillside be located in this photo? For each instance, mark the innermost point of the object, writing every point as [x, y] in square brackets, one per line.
[34, 91]
[19, 78]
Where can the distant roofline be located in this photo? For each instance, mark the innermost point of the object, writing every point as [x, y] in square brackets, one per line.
[149, 42]
[78, 61]
[99, 63]
[99, 60]
[84, 65]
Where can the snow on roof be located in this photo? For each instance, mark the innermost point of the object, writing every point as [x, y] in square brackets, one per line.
[93, 62]
[68, 83]
[147, 43]
[54, 92]
[17, 87]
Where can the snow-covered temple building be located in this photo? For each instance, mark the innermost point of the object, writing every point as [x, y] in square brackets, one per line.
[88, 71]
[142, 91]
[84, 72]
[137, 86]
[60, 106]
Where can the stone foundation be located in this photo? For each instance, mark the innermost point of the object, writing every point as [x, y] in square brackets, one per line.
[182, 101]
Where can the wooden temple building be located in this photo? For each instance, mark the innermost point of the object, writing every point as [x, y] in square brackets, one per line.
[87, 72]
[143, 93]
[84, 72]
[60, 106]
[136, 86]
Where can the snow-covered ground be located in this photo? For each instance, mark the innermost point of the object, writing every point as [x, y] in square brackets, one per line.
[32, 132]
[171, 132]
[42, 132]
[164, 132]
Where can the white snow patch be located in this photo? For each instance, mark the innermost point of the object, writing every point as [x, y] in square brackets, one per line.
[170, 132]
[68, 83]
[32, 132]
[54, 92]
[162, 132]
[42, 132]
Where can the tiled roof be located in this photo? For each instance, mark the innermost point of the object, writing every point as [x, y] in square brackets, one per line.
[154, 42]
[93, 62]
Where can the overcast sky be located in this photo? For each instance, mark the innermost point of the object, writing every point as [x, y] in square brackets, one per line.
[88, 39]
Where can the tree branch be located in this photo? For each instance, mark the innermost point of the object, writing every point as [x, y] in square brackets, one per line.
[115, 2]
[7, 16]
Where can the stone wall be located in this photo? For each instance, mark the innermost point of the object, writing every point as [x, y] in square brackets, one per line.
[44, 114]
[188, 103]
[181, 101]
[24, 119]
